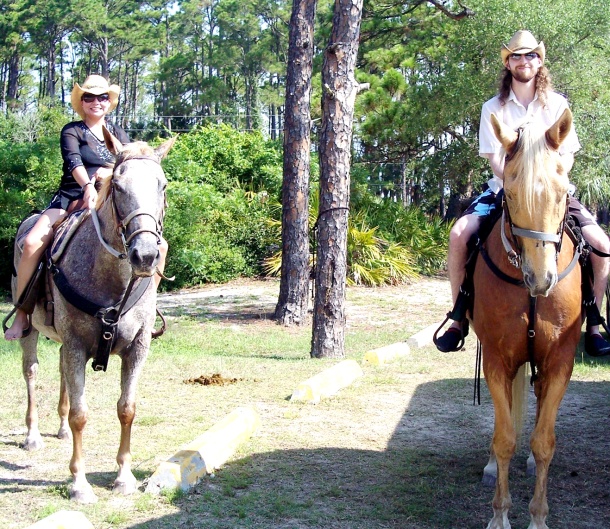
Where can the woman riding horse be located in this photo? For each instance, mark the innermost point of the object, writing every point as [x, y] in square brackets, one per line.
[86, 161]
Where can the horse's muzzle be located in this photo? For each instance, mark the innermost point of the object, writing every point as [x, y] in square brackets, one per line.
[144, 260]
[540, 285]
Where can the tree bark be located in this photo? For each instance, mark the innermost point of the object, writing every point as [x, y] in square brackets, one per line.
[12, 90]
[338, 97]
[291, 308]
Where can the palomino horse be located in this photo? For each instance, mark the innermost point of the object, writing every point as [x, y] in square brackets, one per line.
[99, 269]
[539, 324]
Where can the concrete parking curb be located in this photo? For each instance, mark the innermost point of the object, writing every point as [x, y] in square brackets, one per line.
[387, 354]
[206, 453]
[328, 382]
[423, 337]
[63, 520]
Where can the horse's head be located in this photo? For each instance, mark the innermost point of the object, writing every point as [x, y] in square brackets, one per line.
[137, 193]
[535, 186]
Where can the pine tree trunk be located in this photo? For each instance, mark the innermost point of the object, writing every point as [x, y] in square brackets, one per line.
[291, 308]
[12, 89]
[338, 98]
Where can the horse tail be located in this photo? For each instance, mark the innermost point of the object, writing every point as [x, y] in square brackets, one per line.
[519, 408]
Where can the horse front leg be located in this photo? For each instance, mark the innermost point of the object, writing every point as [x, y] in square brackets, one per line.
[29, 368]
[131, 366]
[63, 408]
[73, 366]
[503, 448]
[542, 442]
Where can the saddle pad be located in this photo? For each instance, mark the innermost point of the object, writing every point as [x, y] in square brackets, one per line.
[65, 231]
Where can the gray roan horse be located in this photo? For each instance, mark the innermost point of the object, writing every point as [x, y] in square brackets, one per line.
[130, 210]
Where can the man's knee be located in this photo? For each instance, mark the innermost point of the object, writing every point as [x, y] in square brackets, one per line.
[463, 229]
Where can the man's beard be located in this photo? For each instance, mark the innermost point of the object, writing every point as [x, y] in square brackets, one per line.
[523, 76]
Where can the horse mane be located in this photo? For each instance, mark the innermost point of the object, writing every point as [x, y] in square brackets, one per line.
[531, 157]
[137, 149]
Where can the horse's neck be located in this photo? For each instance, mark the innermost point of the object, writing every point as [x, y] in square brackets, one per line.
[86, 261]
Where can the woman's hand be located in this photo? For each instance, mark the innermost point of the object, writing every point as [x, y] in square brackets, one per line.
[90, 195]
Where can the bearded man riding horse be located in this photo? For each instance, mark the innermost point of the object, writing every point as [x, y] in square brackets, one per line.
[525, 96]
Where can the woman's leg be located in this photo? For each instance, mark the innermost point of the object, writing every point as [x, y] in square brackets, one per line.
[33, 248]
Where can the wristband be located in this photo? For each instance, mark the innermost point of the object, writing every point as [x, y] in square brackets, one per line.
[88, 183]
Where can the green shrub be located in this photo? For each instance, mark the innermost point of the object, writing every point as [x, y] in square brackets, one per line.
[226, 158]
[215, 237]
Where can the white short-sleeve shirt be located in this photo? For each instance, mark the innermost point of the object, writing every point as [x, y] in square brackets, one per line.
[514, 114]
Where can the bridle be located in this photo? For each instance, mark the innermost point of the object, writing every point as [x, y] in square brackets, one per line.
[122, 223]
[514, 256]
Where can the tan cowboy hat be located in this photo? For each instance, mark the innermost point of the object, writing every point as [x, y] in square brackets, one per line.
[523, 42]
[96, 85]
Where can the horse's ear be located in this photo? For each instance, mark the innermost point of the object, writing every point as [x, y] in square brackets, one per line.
[506, 136]
[560, 130]
[112, 143]
[162, 150]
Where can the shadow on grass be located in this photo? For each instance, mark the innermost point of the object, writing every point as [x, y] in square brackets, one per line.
[427, 477]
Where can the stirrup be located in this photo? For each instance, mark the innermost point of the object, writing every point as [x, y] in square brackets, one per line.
[459, 313]
[594, 318]
[25, 332]
[464, 326]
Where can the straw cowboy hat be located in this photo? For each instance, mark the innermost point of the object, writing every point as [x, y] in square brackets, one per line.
[96, 85]
[523, 42]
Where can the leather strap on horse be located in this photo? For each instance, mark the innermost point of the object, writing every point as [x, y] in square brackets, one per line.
[89, 307]
[477, 374]
[110, 321]
[531, 335]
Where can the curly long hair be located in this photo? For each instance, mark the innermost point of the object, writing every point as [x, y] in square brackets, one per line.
[543, 84]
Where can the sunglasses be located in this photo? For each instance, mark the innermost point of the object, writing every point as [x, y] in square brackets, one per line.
[529, 56]
[90, 98]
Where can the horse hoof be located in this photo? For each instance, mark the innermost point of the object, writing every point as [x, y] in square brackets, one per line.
[84, 496]
[64, 434]
[488, 480]
[32, 443]
[125, 487]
